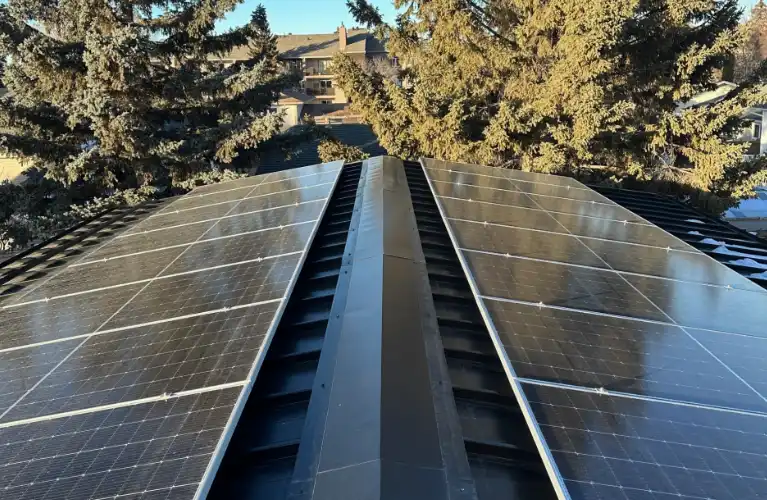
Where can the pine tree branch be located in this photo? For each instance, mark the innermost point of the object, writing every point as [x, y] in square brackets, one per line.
[479, 15]
[16, 30]
[365, 13]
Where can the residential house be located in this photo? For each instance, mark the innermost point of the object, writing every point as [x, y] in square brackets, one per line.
[749, 215]
[311, 55]
[754, 131]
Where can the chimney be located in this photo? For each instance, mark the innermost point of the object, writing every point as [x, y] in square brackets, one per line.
[342, 38]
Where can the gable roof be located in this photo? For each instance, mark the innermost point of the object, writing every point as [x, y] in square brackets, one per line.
[318, 45]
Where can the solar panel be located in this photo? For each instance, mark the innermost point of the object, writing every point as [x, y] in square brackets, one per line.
[154, 450]
[129, 269]
[484, 190]
[141, 362]
[596, 227]
[263, 219]
[636, 359]
[220, 288]
[617, 354]
[620, 448]
[41, 321]
[192, 205]
[558, 284]
[121, 375]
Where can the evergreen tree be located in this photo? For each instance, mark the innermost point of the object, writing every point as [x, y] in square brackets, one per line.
[125, 93]
[750, 55]
[551, 86]
[331, 149]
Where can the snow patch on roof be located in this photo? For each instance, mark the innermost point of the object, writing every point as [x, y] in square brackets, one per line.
[749, 263]
[724, 250]
[712, 241]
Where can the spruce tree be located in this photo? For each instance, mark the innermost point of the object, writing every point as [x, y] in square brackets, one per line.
[552, 86]
[331, 149]
[750, 55]
[125, 93]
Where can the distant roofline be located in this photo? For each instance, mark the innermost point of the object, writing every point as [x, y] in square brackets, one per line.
[348, 30]
[312, 46]
[331, 57]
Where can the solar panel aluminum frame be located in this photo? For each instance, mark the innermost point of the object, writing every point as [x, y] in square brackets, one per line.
[548, 460]
[218, 453]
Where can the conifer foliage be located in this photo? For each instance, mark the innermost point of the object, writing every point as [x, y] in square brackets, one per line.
[750, 55]
[125, 93]
[553, 85]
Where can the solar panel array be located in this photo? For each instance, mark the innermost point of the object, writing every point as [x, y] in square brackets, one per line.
[121, 374]
[639, 362]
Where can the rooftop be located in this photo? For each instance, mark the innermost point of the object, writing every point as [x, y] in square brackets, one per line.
[324, 45]
[386, 329]
[753, 208]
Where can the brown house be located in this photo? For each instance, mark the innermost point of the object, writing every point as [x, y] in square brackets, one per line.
[311, 55]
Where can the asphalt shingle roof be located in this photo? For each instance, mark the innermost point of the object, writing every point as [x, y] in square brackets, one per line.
[318, 45]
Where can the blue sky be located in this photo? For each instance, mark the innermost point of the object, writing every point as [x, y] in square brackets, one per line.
[319, 16]
[303, 16]
[747, 4]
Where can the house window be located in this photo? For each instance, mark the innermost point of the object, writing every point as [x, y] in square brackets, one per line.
[324, 65]
[757, 130]
[395, 61]
[295, 64]
[326, 84]
[325, 101]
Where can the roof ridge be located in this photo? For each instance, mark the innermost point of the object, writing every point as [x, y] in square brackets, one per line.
[334, 33]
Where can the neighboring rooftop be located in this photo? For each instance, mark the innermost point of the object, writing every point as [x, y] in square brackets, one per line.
[711, 96]
[327, 44]
[351, 134]
[322, 45]
[752, 208]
